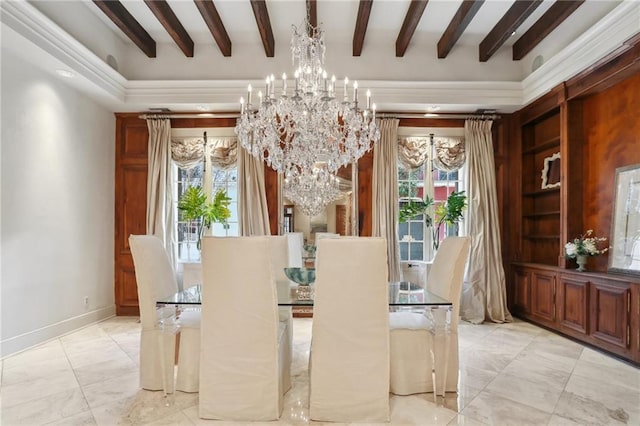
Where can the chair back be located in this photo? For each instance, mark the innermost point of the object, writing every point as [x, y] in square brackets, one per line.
[295, 240]
[279, 249]
[349, 363]
[447, 272]
[239, 331]
[155, 277]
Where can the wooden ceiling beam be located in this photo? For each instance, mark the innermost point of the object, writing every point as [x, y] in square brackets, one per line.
[551, 19]
[312, 13]
[264, 26]
[212, 18]
[120, 16]
[411, 20]
[505, 27]
[364, 11]
[458, 24]
[171, 23]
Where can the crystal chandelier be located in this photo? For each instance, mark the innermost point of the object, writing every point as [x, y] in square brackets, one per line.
[310, 124]
[312, 189]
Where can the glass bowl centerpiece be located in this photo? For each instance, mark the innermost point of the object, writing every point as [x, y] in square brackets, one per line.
[301, 276]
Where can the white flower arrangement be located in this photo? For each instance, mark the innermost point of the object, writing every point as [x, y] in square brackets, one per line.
[585, 245]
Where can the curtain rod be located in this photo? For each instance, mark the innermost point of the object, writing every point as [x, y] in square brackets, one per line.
[441, 116]
[380, 115]
[200, 115]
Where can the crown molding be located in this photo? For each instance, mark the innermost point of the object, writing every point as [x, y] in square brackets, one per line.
[31, 24]
[605, 36]
[228, 92]
[131, 95]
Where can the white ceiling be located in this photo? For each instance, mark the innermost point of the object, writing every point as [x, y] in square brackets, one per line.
[77, 35]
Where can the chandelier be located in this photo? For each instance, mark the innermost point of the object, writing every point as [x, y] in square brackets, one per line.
[312, 189]
[311, 124]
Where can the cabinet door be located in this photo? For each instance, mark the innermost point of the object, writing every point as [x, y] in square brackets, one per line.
[610, 304]
[573, 303]
[521, 291]
[543, 294]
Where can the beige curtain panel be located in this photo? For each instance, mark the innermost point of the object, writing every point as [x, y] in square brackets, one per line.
[413, 151]
[385, 193]
[252, 198]
[449, 153]
[159, 184]
[484, 295]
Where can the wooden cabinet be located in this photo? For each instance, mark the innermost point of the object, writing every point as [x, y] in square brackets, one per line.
[521, 290]
[600, 309]
[573, 304]
[610, 313]
[543, 296]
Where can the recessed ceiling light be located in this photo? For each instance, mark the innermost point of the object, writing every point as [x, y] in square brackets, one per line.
[65, 73]
[513, 33]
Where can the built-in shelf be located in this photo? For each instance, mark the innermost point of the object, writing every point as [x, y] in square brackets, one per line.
[541, 192]
[541, 237]
[555, 141]
[539, 214]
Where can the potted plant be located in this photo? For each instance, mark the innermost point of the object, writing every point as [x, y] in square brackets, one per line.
[194, 206]
[447, 212]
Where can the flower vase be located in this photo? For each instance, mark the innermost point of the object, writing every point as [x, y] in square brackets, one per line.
[581, 260]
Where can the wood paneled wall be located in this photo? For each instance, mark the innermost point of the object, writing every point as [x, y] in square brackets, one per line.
[611, 121]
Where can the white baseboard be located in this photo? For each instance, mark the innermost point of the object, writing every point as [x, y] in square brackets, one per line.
[16, 344]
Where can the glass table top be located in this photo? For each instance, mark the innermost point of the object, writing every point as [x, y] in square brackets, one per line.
[400, 294]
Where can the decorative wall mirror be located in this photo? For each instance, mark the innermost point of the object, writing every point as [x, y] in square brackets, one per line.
[551, 172]
[339, 217]
[624, 255]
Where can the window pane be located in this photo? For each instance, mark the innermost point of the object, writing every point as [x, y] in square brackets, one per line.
[403, 229]
[404, 251]
[417, 230]
[417, 250]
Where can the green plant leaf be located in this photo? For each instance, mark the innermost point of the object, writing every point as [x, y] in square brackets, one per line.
[415, 208]
[192, 203]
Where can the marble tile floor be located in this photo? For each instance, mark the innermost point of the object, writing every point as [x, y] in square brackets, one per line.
[510, 374]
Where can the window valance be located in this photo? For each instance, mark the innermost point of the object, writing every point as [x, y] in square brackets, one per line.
[224, 152]
[413, 151]
[189, 152]
[449, 153]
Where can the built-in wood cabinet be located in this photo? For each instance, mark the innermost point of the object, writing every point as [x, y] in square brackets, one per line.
[599, 309]
[591, 124]
[543, 296]
[573, 303]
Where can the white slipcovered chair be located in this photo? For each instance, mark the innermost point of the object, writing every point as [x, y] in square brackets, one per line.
[241, 360]
[411, 339]
[280, 259]
[295, 241]
[156, 279]
[349, 362]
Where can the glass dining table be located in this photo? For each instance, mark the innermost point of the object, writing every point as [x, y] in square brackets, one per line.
[403, 296]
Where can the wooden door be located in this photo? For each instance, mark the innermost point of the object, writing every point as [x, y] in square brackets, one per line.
[130, 206]
[543, 292]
